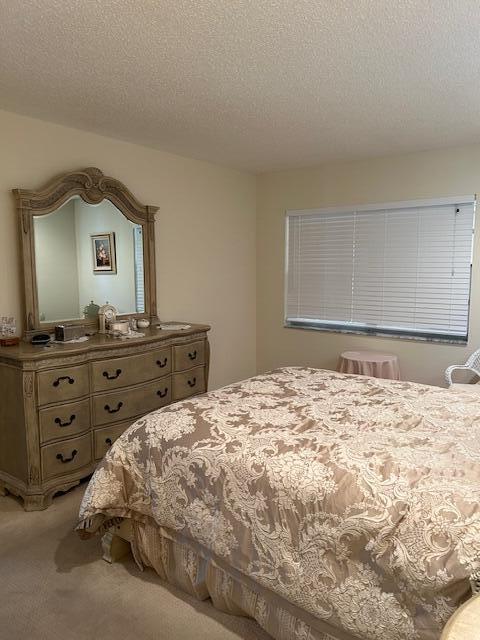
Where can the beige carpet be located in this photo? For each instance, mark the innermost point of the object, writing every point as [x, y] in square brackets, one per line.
[55, 586]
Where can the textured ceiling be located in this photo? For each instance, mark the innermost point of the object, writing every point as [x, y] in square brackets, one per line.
[250, 83]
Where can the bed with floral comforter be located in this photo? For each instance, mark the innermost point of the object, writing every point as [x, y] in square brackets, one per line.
[355, 499]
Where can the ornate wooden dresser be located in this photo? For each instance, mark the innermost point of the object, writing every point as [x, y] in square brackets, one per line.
[63, 406]
[88, 247]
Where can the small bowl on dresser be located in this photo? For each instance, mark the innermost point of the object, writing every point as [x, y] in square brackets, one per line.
[143, 323]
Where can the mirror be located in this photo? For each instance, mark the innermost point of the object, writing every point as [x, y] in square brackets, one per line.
[87, 253]
[86, 241]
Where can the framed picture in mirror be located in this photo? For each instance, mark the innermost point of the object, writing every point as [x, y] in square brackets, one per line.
[103, 251]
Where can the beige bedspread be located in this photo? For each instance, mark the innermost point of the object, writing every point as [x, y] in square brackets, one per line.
[356, 499]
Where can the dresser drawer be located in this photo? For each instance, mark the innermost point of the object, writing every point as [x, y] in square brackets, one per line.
[104, 438]
[189, 355]
[122, 372]
[188, 383]
[130, 403]
[58, 385]
[66, 456]
[64, 420]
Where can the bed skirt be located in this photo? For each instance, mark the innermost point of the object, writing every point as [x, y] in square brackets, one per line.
[192, 569]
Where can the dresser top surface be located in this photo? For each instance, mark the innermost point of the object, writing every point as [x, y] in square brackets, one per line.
[26, 351]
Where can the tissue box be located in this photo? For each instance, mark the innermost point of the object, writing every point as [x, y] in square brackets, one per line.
[66, 332]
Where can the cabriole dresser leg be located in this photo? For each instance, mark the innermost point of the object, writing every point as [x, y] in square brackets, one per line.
[37, 502]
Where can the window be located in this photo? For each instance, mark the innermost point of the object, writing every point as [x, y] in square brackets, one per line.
[401, 269]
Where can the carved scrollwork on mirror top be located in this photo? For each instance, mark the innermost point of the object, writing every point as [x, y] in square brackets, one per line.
[92, 186]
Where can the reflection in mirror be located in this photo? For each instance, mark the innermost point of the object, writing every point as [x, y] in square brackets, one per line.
[86, 253]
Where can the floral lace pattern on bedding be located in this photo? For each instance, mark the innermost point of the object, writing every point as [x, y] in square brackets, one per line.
[356, 499]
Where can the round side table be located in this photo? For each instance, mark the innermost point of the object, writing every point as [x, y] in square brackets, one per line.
[369, 363]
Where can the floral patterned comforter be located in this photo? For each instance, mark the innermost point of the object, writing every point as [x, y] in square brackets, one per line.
[356, 499]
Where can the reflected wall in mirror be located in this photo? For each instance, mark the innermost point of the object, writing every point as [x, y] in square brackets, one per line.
[70, 244]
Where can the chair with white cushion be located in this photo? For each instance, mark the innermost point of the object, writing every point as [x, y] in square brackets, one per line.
[472, 364]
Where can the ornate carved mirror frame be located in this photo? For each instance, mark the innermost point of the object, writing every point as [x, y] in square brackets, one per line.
[93, 187]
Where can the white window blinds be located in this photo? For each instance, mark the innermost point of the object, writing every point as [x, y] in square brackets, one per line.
[399, 269]
[139, 271]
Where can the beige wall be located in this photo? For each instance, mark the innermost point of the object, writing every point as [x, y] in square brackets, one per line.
[421, 175]
[205, 234]
[205, 229]
[56, 262]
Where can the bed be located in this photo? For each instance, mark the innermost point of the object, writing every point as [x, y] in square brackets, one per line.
[321, 504]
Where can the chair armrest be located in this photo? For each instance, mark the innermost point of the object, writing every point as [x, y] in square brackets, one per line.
[453, 367]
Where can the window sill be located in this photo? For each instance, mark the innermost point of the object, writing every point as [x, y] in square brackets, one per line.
[378, 333]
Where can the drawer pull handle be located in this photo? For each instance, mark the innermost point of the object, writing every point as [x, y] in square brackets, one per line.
[108, 441]
[58, 380]
[64, 460]
[65, 424]
[119, 406]
[193, 355]
[162, 364]
[192, 383]
[113, 376]
[163, 393]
